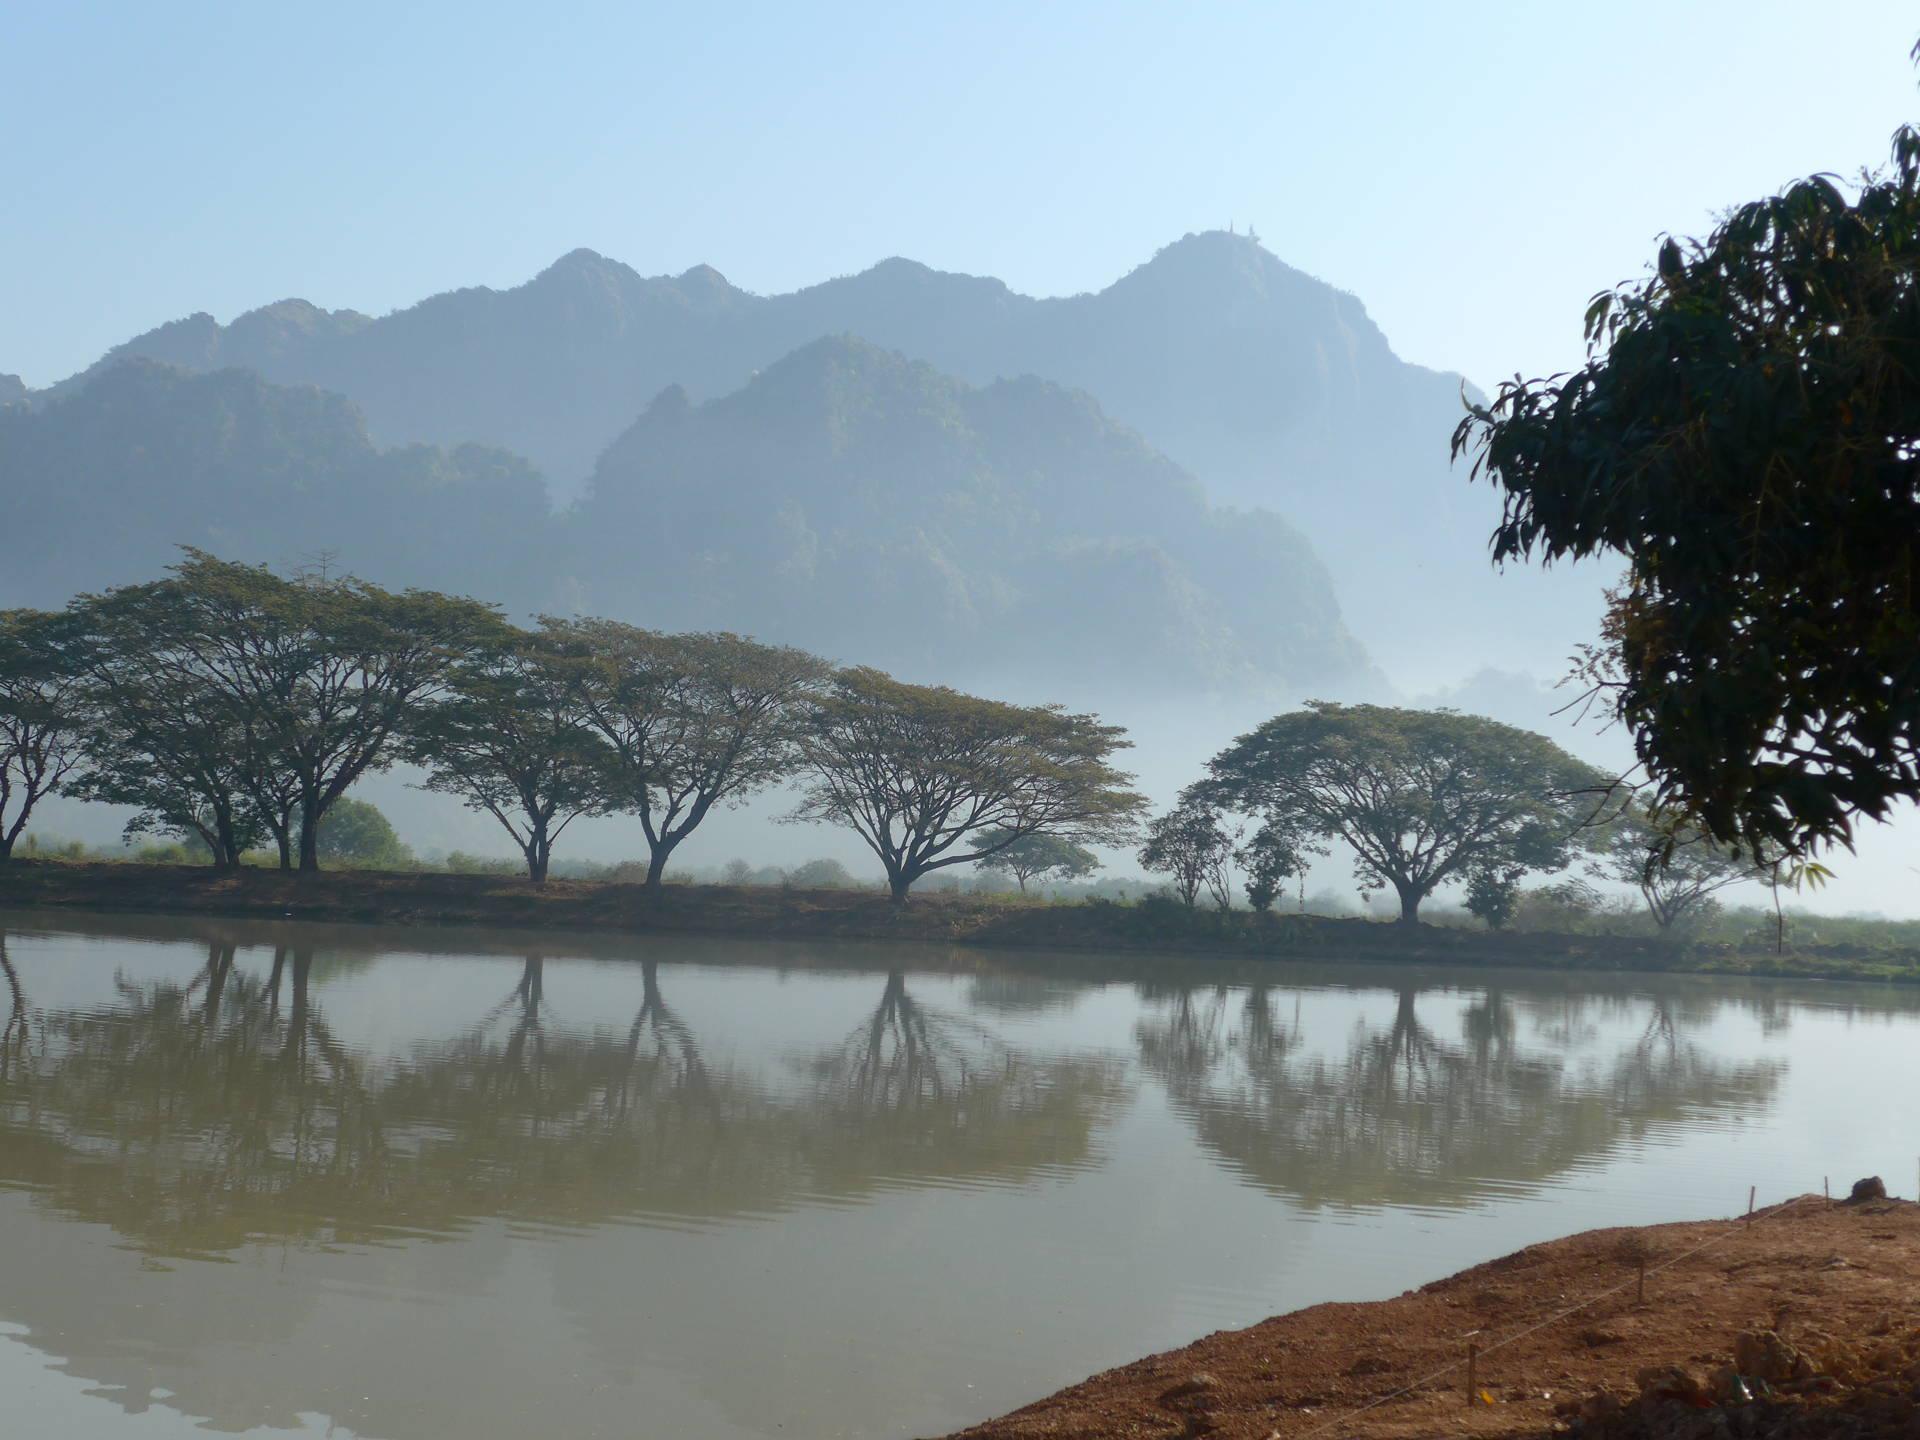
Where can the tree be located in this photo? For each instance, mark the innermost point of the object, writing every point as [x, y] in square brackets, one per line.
[692, 721]
[1744, 435]
[1035, 856]
[916, 770]
[357, 832]
[1271, 858]
[40, 713]
[1493, 895]
[513, 736]
[823, 874]
[316, 676]
[1420, 796]
[159, 735]
[1676, 868]
[1190, 847]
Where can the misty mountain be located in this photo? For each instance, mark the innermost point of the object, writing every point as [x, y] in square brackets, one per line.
[1010, 531]
[101, 487]
[13, 390]
[846, 499]
[1271, 387]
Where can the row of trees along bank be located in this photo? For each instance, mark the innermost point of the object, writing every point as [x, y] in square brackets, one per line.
[227, 703]
[1423, 798]
[237, 706]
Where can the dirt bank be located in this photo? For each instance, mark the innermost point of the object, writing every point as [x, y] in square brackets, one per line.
[504, 902]
[1835, 1283]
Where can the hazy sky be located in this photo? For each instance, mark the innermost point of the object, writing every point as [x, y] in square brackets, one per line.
[1472, 173]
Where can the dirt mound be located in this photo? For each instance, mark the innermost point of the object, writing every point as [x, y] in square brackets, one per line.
[1803, 1321]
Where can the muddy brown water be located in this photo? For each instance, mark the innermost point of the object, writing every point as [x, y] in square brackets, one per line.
[377, 1182]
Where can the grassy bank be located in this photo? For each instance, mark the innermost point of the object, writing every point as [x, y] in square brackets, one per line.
[418, 898]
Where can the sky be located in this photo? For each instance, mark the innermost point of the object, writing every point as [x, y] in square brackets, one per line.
[1472, 174]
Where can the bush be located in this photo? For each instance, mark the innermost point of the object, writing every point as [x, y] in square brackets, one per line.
[458, 862]
[821, 875]
[354, 833]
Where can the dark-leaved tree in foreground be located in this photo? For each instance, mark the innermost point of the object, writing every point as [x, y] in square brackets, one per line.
[1746, 436]
[1420, 796]
[920, 773]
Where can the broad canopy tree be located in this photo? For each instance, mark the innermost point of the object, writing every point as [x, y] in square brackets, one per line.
[1676, 868]
[40, 713]
[235, 694]
[921, 773]
[513, 737]
[1034, 856]
[1745, 434]
[689, 721]
[164, 737]
[1421, 797]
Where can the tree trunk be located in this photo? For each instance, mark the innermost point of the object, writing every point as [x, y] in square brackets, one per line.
[226, 849]
[6, 846]
[657, 853]
[309, 840]
[537, 859]
[1410, 899]
[897, 886]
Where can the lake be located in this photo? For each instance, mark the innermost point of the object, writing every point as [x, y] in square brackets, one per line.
[361, 1181]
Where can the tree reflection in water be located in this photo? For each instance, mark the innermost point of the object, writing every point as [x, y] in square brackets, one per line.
[1407, 1116]
[194, 1117]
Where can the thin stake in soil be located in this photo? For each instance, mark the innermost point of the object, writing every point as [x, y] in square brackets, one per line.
[1473, 1370]
[1752, 1190]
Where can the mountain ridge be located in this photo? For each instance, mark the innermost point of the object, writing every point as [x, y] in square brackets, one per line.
[1011, 537]
[1270, 387]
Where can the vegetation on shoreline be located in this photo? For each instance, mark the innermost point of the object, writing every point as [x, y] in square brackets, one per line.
[1153, 923]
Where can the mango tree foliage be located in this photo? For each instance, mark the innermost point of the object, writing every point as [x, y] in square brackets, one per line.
[917, 770]
[1746, 435]
[513, 737]
[690, 721]
[1421, 797]
[40, 700]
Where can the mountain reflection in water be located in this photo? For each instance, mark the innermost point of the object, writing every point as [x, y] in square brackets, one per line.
[843, 1156]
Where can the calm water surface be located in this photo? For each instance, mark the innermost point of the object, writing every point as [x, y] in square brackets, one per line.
[367, 1182]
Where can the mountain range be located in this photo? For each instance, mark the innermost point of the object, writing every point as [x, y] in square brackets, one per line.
[1271, 388]
[1008, 536]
